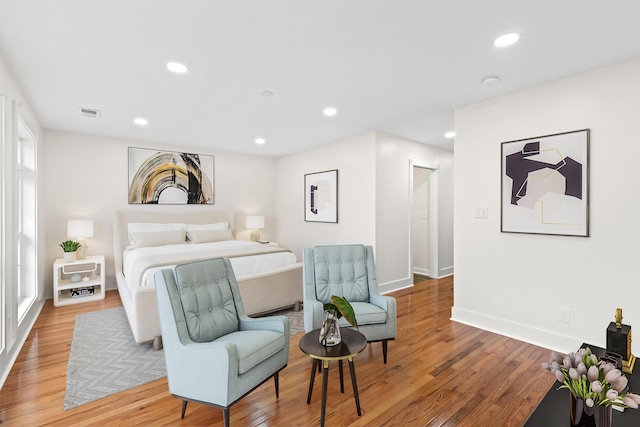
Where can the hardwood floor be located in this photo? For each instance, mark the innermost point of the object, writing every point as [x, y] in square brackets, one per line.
[439, 373]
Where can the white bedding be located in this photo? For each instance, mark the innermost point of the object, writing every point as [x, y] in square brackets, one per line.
[140, 264]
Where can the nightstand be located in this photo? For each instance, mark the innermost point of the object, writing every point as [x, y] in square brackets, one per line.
[78, 281]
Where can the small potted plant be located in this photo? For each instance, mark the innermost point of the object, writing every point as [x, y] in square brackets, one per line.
[334, 310]
[70, 247]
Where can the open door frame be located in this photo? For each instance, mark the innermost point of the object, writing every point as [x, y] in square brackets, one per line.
[433, 215]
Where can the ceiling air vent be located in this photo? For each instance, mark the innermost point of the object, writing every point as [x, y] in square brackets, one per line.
[88, 112]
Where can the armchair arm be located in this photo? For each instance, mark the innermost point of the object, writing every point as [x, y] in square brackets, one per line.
[270, 323]
[194, 368]
[312, 315]
[384, 302]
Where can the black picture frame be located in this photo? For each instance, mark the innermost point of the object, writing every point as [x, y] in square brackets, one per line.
[545, 185]
[321, 196]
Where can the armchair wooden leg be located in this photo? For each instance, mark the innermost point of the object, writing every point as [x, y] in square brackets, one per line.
[184, 408]
[277, 382]
[384, 351]
[225, 415]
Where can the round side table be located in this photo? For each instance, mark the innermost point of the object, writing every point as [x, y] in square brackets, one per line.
[353, 342]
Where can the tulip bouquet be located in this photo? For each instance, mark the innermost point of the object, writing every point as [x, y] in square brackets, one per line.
[596, 382]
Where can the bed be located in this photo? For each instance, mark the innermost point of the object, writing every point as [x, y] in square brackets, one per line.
[269, 278]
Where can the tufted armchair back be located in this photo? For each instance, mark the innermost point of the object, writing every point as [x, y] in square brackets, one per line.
[207, 300]
[341, 270]
[348, 271]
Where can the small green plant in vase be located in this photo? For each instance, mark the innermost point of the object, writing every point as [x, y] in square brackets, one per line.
[334, 310]
[69, 247]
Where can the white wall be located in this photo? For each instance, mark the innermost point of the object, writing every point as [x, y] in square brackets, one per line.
[514, 284]
[355, 160]
[86, 177]
[373, 200]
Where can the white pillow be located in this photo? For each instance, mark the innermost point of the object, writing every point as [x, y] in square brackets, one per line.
[157, 238]
[215, 226]
[206, 236]
[142, 227]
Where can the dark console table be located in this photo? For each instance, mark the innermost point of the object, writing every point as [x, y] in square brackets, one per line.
[553, 411]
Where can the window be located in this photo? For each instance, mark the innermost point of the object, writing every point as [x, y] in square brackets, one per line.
[3, 326]
[25, 248]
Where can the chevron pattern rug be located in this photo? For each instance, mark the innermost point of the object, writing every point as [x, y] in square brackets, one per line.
[104, 358]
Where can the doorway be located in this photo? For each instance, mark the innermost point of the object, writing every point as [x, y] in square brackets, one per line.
[423, 224]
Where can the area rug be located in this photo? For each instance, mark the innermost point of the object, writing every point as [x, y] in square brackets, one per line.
[104, 358]
[296, 320]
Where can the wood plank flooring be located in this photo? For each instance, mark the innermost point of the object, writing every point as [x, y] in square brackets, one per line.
[439, 373]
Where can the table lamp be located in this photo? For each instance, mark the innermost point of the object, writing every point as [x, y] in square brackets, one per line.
[80, 229]
[255, 223]
[619, 342]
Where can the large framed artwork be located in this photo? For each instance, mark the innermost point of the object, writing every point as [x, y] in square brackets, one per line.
[321, 196]
[168, 177]
[545, 185]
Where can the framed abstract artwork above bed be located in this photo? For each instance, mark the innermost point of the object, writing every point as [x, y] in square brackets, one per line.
[545, 185]
[170, 177]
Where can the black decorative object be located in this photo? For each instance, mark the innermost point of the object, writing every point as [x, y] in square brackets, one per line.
[619, 341]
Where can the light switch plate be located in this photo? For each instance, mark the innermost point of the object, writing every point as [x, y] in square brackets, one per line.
[482, 213]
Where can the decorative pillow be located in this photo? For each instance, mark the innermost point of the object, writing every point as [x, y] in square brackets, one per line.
[206, 236]
[215, 226]
[143, 227]
[157, 238]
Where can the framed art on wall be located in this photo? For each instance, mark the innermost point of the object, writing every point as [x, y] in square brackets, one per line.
[321, 196]
[545, 185]
[169, 177]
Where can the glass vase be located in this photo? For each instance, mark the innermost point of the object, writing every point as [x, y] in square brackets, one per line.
[583, 416]
[329, 332]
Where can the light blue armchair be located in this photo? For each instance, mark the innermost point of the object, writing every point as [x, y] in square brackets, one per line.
[215, 353]
[348, 271]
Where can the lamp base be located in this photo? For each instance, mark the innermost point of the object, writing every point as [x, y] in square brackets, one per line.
[627, 365]
[82, 250]
[255, 236]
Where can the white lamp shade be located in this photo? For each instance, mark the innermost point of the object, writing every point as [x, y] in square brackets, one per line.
[79, 229]
[255, 222]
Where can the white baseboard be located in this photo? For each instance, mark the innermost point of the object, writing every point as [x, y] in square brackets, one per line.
[446, 271]
[531, 335]
[422, 272]
[396, 285]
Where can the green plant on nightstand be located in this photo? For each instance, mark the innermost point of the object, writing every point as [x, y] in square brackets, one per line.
[70, 247]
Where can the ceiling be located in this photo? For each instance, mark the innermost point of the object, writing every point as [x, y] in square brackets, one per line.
[394, 66]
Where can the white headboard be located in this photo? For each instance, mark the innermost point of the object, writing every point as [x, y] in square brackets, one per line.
[122, 218]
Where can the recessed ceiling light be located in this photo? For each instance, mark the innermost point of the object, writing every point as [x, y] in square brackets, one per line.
[260, 141]
[141, 121]
[176, 67]
[266, 93]
[506, 39]
[449, 134]
[491, 80]
[330, 111]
